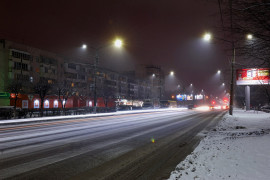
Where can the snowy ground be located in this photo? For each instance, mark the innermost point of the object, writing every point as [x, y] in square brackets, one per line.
[238, 149]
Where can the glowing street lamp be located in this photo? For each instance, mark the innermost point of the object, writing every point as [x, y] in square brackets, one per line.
[207, 37]
[84, 46]
[171, 73]
[218, 71]
[118, 43]
[249, 36]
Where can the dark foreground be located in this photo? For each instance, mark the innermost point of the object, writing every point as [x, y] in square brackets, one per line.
[133, 146]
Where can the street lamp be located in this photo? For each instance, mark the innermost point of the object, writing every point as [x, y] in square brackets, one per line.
[218, 71]
[207, 37]
[84, 46]
[171, 73]
[249, 36]
[117, 43]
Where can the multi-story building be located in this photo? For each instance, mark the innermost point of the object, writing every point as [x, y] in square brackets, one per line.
[31, 65]
[156, 77]
[27, 65]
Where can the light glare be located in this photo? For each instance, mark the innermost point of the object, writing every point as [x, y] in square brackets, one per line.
[207, 37]
[249, 36]
[203, 108]
[118, 43]
[84, 46]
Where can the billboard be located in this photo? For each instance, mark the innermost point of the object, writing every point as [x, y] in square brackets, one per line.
[252, 76]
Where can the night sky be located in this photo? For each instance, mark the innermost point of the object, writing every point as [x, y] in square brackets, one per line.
[161, 32]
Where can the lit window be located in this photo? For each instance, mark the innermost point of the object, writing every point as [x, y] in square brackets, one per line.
[46, 104]
[36, 103]
[55, 104]
[90, 104]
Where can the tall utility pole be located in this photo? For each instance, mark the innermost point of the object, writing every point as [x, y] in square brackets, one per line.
[232, 81]
[159, 81]
[95, 81]
[118, 44]
[232, 63]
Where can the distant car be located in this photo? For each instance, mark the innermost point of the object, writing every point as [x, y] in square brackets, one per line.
[190, 106]
[265, 108]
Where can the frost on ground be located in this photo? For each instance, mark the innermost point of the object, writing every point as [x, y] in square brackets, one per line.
[238, 148]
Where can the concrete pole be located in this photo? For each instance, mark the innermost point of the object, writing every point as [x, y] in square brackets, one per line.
[247, 97]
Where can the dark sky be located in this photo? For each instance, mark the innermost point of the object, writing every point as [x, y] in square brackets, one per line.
[161, 32]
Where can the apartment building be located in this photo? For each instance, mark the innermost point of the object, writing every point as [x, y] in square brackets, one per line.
[30, 65]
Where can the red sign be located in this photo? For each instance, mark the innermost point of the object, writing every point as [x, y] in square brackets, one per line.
[252, 76]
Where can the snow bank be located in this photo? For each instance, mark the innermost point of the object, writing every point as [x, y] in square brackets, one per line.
[238, 148]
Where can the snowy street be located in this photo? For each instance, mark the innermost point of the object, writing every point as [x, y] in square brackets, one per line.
[238, 148]
[143, 145]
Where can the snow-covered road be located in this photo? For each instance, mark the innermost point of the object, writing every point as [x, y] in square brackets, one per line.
[64, 148]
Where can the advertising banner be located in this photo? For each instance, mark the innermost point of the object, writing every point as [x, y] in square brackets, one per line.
[180, 97]
[252, 76]
[199, 97]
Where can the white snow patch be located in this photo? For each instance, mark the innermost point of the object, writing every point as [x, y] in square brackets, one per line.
[238, 148]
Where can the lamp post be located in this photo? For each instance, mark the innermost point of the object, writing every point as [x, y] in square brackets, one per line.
[117, 43]
[208, 37]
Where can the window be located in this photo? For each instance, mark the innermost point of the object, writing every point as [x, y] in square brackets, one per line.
[46, 104]
[20, 55]
[19, 66]
[55, 104]
[22, 77]
[82, 77]
[72, 66]
[36, 104]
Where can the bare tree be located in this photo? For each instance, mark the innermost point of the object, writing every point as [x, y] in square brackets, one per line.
[248, 17]
[42, 88]
[15, 87]
[64, 91]
[109, 92]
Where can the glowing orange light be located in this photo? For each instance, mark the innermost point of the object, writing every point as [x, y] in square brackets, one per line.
[12, 95]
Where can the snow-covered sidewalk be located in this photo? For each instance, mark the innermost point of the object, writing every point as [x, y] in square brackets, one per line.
[27, 120]
[238, 149]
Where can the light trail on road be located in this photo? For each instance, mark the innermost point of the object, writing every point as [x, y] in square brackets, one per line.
[75, 148]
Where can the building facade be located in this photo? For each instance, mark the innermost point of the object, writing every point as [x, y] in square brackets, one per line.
[28, 65]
